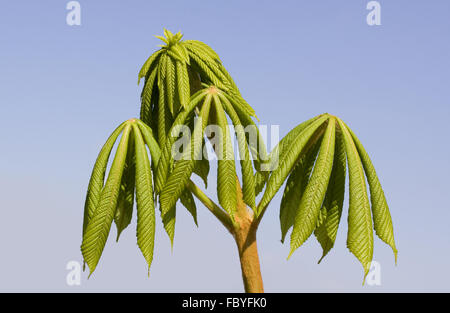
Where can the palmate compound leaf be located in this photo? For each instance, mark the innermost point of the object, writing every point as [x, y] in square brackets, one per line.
[106, 200]
[321, 200]
[171, 76]
[173, 180]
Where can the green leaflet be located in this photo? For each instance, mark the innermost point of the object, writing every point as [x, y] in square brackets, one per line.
[212, 71]
[145, 68]
[144, 197]
[360, 233]
[98, 227]
[162, 69]
[163, 39]
[285, 165]
[260, 181]
[295, 187]
[168, 35]
[207, 75]
[334, 199]
[183, 83]
[256, 145]
[124, 210]
[168, 220]
[226, 170]
[166, 153]
[162, 114]
[248, 179]
[181, 52]
[201, 168]
[380, 211]
[147, 96]
[202, 48]
[311, 201]
[150, 141]
[183, 168]
[170, 85]
[188, 202]
[210, 66]
[98, 176]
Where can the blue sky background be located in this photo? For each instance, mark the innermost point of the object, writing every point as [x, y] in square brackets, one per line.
[64, 89]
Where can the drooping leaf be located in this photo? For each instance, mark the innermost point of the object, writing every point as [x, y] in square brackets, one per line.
[380, 211]
[207, 75]
[255, 140]
[99, 225]
[202, 48]
[181, 52]
[184, 167]
[188, 202]
[147, 65]
[334, 199]
[144, 197]
[162, 115]
[248, 179]
[170, 85]
[183, 83]
[150, 141]
[166, 152]
[360, 232]
[201, 168]
[124, 210]
[147, 97]
[312, 199]
[98, 176]
[295, 187]
[226, 170]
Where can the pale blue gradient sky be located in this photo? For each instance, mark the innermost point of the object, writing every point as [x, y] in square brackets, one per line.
[64, 89]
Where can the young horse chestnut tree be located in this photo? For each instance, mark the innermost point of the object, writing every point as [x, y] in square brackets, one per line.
[186, 85]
